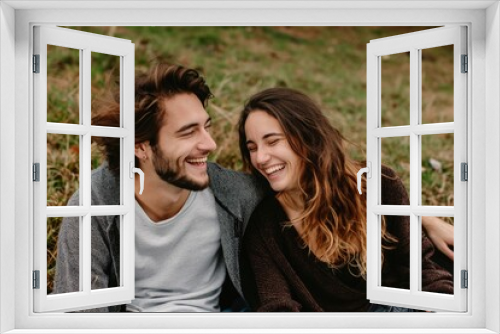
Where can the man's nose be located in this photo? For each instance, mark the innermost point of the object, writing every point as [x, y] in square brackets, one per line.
[207, 143]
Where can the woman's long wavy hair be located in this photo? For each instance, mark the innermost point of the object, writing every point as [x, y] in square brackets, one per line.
[161, 82]
[334, 216]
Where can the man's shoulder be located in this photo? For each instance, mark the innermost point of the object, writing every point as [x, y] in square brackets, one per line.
[105, 186]
[234, 188]
[223, 177]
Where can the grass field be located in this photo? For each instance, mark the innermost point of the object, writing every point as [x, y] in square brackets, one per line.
[327, 63]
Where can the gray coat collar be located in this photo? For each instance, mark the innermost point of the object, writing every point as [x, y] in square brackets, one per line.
[224, 185]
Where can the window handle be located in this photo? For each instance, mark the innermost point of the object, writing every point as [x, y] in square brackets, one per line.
[367, 170]
[141, 175]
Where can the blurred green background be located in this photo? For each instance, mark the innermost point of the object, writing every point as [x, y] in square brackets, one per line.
[327, 63]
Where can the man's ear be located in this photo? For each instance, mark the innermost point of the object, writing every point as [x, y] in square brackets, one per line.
[142, 150]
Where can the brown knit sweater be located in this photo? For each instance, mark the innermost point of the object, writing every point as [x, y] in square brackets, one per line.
[280, 275]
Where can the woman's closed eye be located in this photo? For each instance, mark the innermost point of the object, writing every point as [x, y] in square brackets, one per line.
[252, 148]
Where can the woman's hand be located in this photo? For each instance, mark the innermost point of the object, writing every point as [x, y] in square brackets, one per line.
[440, 233]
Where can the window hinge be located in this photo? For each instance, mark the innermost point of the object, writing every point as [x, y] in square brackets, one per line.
[36, 172]
[464, 171]
[36, 63]
[465, 64]
[465, 279]
[36, 279]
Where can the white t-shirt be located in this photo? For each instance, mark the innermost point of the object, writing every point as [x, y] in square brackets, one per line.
[178, 262]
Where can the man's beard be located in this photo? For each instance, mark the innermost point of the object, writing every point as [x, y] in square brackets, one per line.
[171, 173]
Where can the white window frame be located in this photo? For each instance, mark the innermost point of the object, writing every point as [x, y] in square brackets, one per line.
[85, 43]
[414, 43]
[483, 20]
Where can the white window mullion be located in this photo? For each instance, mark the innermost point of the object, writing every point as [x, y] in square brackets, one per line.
[416, 122]
[81, 104]
[40, 157]
[85, 90]
[81, 241]
[66, 211]
[127, 226]
[85, 172]
[104, 131]
[419, 210]
[124, 191]
[433, 129]
[77, 211]
[372, 185]
[392, 131]
[378, 252]
[422, 129]
[460, 147]
[75, 129]
[85, 231]
[415, 246]
[435, 211]
[86, 252]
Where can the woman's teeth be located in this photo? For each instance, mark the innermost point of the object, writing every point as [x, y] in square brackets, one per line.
[274, 169]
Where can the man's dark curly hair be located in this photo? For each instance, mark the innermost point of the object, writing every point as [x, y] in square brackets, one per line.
[161, 82]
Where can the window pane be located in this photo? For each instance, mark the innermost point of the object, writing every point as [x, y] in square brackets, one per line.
[63, 85]
[437, 84]
[105, 72]
[433, 282]
[71, 254]
[395, 81]
[105, 153]
[395, 154]
[438, 169]
[395, 250]
[105, 251]
[63, 168]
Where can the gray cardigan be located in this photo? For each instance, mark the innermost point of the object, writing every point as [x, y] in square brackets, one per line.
[236, 195]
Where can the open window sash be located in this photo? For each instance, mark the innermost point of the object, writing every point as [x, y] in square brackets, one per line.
[86, 44]
[414, 43]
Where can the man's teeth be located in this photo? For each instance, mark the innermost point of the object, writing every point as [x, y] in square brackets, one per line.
[197, 160]
[274, 169]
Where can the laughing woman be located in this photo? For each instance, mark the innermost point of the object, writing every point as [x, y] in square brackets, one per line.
[305, 245]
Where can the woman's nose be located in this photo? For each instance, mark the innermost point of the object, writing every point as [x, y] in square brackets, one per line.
[262, 156]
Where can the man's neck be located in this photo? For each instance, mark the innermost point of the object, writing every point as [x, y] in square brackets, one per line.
[160, 200]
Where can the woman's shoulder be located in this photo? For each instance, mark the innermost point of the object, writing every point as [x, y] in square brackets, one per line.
[393, 189]
[388, 172]
[267, 207]
[266, 215]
